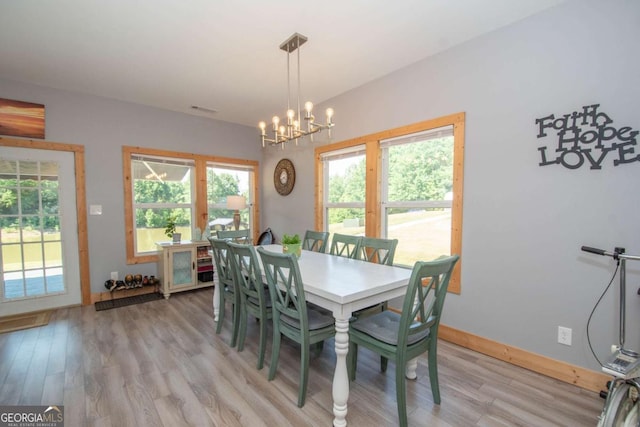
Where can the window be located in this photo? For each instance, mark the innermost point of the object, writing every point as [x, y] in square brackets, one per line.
[162, 189]
[417, 194]
[228, 180]
[344, 184]
[192, 188]
[413, 180]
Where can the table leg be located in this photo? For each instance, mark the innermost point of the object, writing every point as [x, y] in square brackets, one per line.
[216, 302]
[412, 365]
[340, 376]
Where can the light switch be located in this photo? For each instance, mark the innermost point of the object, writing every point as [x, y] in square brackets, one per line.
[95, 209]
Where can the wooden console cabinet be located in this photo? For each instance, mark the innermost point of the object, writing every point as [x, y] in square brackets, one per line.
[184, 266]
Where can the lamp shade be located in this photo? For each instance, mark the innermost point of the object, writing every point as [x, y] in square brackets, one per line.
[236, 202]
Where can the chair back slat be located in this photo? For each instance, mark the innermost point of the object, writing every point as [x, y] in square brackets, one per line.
[248, 275]
[345, 245]
[315, 241]
[235, 236]
[221, 257]
[285, 286]
[381, 251]
[422, 305]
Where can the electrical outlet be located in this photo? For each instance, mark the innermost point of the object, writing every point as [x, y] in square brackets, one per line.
[114, 275]
[564, 335]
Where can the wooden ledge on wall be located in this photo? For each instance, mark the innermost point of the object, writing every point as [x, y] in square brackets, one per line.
[581, 377]
[122, 293]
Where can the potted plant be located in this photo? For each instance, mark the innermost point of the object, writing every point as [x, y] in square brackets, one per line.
[292, 244]
[170, 229]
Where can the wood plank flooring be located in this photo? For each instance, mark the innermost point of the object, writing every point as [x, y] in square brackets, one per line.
[162, 364]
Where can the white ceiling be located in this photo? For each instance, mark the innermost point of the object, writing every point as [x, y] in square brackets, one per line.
[224, 54]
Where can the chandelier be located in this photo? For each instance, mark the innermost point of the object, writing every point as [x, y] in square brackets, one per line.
[293, 128]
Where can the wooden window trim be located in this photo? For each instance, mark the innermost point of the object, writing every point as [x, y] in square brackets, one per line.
[373, 209]
[201, 205]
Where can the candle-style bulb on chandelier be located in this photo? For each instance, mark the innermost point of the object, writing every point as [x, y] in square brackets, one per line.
[292, 127]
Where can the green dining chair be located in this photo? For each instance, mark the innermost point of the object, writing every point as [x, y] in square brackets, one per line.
[380, 251]
[235, 236]
[345, 245]
[224, 268]
[402, 337]
[291, 315]
[254, 296]
[315, 241]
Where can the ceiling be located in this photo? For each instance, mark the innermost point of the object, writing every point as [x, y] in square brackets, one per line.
[224, 54]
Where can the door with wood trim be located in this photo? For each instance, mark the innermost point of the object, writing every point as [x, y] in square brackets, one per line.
[38, 231]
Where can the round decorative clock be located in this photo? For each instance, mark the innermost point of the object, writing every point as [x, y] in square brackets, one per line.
[284, 177]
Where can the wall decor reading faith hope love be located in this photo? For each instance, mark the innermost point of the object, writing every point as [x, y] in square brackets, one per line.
[586, 137]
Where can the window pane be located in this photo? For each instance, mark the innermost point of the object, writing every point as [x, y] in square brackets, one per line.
[50, 196]
[32, 255]
[9, 199]
[150, 226]
[346, 221]
[11, 257]
[156, 182]
[420, 170]
[423, 234]
[162, 188]
[53, 254]
[223, 181]
[346, 179]
[29, 201]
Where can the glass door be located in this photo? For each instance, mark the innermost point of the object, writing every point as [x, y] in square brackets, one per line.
[183, 268]
[38, 231]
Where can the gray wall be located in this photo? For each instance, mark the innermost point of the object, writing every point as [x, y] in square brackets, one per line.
[103, 126]
[523, 272]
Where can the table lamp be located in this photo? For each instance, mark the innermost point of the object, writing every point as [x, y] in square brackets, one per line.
[236, 203]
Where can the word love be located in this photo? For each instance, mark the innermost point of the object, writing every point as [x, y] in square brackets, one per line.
[587, 137]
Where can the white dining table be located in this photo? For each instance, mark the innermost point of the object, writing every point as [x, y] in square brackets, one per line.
[343, 286]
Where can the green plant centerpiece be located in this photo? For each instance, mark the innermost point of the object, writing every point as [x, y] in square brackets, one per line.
[292, 244]
[170, 229]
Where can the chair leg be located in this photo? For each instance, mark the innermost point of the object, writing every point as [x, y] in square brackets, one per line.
[383, 364]
[263, 341]
[433, 376]
[352, 360]
[275, 353]
[242, 330]
[401, 393]
[317, 348]
[221, 314]
[235, 321]
[304, 374]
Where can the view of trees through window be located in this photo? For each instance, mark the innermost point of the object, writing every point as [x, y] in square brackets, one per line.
[346, 193]
[416, 194]
[163, 189]
[223, 181]
[190, 188]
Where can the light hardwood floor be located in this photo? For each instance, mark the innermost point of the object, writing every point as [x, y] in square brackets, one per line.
[161, 364]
